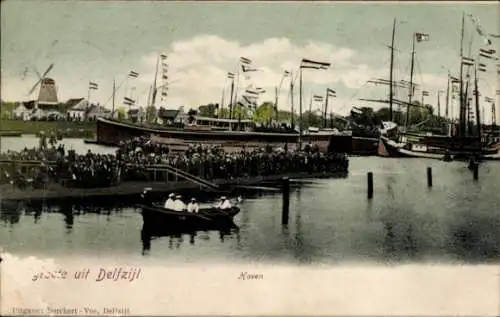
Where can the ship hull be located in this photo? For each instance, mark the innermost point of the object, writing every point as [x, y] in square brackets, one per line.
[111, 132]
[453, 148]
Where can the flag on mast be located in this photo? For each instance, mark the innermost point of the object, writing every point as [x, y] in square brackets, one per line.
[307, 63]
[230, 75]
[467, 61]
[425, 93]
[480, 30]
[245, 69]
[133, 74]
[330, 92]
[488, 53]
[318, 98]
[245, 60]
[93, 85]
[422, 37]
[481, 67]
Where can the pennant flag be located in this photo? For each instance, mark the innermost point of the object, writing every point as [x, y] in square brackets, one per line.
[163, 57]
[286, 73]
[489, 54]
[251, 92]
[164, 65]
[247, 99]
[93, 85]
[488, 99]
[498, 92]
[330, 92]
[480, 30]
[133, 74]
[425, 93]
[454, 80]
[164, 77]
[318, 98]
[245, 60]
[421, 37]
[248, 69]
[482, 67]
[467, 61]
[126, 99]
[307, 63]
[230, 75]
[164, 93]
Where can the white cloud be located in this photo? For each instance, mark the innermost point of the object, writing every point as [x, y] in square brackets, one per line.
[198, 67]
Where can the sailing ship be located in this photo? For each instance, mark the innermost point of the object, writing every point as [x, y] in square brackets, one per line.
[111, 131]
[462, 140]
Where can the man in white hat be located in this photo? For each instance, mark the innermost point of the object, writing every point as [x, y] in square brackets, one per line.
[225, 203]
[179, 205]
[193, 206]
[169, 204]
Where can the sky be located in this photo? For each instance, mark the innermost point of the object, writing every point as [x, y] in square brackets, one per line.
[101, 41]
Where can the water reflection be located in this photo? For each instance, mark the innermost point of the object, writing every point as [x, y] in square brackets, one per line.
[176, 236]
[330, 221]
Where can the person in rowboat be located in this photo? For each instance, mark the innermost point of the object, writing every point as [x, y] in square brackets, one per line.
[226, 204]
[218, 204]
[169, 203]
[179, 205]
[193, 206]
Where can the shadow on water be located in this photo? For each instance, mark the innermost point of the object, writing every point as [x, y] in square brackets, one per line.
[176, 235]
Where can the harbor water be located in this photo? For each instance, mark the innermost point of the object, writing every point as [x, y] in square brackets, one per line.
[457, 220]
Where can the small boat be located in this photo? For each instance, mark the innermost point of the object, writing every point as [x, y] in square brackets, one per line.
[156, 216]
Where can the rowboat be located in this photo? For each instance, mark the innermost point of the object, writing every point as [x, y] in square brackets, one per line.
[157, 217]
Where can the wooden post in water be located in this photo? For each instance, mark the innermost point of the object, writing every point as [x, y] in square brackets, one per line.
[476, 172]
[370, 185]
[429, 177]
[285, 181]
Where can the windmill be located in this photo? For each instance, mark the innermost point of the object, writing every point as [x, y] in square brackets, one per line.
[47, 94]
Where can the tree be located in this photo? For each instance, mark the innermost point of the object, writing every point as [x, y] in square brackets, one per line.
[121, 113]
[150, 113]
[207, 110]
[264, 113]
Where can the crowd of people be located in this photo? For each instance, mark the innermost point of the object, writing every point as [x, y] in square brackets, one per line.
[134, 158]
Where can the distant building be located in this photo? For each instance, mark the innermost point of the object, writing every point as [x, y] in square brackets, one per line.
[171, 116]
[136, 114]
[47, 96]
[98, 111]
[23, 110]
[77, 109]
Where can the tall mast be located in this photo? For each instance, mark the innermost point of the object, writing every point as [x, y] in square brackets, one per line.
[231, 100]
[221, 115]
[310, 109]
[300, 110]
[462, 103]
[478, 117]
[153, 97]
[391, 70]
[410, 94]
[439, 104]
[276, 101]
[291, 100]
[326, 107]
[113, 106]
[447, 97]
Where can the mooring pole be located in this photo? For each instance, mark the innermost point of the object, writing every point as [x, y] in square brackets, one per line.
[476, 171]
[286, 200]
[429, 177]
[370, 185]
